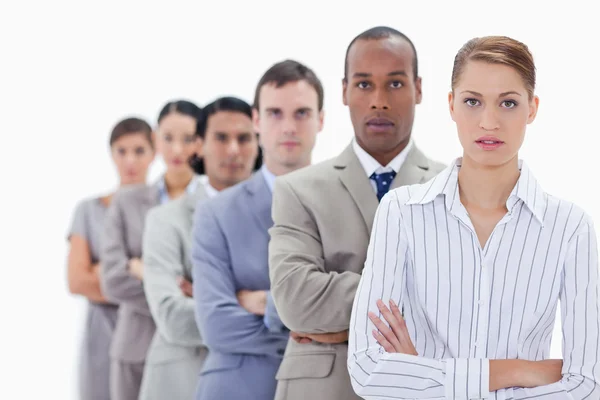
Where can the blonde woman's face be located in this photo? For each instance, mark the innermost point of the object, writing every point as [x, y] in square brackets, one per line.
[491, 108]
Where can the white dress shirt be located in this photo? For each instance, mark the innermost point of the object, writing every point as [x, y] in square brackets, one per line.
[163, 193]
[371, 165]
[210, 190]
[464, 305]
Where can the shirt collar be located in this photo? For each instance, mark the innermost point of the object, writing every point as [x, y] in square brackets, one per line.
[371, 165]
[269, 177]
[210, 190]
[445, 183]
[163, 193]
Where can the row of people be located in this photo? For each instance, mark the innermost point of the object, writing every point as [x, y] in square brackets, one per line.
[264, 276]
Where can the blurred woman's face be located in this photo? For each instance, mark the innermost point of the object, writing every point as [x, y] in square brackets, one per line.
[132, 155]
[177, 141]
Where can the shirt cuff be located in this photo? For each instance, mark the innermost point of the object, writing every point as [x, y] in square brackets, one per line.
[467, 378]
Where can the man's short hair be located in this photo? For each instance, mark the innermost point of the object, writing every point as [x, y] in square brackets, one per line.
[382, 32]
[288, 71]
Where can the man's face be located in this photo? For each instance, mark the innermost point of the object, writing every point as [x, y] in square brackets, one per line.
[381, 92]
[229, 148]
[288, 121]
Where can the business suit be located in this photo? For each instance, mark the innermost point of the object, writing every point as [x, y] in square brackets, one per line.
[323, 217]
[229, 253]
[94, 373]
[122, 240]
[176, 353]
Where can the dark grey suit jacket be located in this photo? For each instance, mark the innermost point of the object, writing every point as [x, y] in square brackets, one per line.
[121, 241]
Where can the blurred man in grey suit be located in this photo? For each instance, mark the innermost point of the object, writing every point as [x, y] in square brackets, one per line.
[176, 354]
[234, 308]
[323, 214]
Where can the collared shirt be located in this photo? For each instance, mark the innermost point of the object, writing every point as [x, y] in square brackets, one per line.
[269, 177]
[371, 165]
[163, 193]
[464, 304]
[210, 190]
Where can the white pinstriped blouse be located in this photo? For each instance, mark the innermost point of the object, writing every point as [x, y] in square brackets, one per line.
[465, 305]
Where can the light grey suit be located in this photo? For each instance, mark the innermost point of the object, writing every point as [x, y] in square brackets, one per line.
[323, 217]
[229, 253]
[121, 241]
[177, 353]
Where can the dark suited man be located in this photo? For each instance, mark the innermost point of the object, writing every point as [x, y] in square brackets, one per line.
[323, 214]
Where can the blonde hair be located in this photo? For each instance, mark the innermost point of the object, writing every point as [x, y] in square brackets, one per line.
[497, 50]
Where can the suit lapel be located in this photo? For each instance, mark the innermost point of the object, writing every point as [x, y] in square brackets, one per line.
[413, 170]
[152, 195]
[261, 199]
[357, 183]
[192, 199]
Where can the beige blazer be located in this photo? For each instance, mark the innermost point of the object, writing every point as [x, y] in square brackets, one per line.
[323, 217]
[176, 354]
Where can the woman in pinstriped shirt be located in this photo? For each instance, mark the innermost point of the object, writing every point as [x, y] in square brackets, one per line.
[475, 261]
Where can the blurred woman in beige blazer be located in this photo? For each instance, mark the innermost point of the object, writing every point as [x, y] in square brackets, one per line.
[132, 152]
[122, 269]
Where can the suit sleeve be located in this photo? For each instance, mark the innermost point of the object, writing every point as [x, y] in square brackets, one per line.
[172, 311]
[272, 320]
[308, 298]
[224, 324]
[117, 284]
[79, 224]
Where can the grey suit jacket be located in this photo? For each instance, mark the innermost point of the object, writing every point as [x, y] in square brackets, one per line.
[121, 241]
[229, 253]
[323, 217]
[176, 353]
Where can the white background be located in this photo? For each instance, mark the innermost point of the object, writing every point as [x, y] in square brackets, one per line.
[69, 71]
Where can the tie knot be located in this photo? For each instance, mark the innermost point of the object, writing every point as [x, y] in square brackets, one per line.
[383, 182]
[384, 176]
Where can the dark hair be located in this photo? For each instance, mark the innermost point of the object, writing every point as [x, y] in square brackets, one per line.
[182, 107]
[231, 104]
[129, 126]
[382, 32]
[497, 50]
[288, 71]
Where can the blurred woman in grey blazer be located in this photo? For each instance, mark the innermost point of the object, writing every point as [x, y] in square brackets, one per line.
[122, 270]
[132, 152]
[228, 155]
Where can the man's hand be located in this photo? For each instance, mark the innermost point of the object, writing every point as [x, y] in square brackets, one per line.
[253, 301]
[300, 337]
[186, 287]
[329, 338]
[136, 268]
[393, 338]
